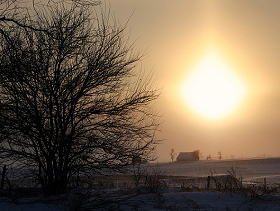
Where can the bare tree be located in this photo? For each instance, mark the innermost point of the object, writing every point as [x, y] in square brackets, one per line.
[70, 103]
[209, 157]
[172, 154]
[198, 153]
[220, 155]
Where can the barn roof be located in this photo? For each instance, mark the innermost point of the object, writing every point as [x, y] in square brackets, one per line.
[187, 156]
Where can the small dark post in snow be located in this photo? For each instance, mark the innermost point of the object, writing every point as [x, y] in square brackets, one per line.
[264, 180]
[78, 178]
[3, 176]
[208, 183]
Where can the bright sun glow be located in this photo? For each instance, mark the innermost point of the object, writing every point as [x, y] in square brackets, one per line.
[213, 90]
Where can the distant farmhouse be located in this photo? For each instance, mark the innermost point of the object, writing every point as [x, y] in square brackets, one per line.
[187, 156]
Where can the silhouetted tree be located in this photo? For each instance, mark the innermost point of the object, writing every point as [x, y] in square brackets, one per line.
[172, 154]
[209, 157]
[220, 155]
[69, 102]
[198, 153]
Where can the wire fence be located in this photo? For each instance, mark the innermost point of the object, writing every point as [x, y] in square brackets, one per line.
[270, 184]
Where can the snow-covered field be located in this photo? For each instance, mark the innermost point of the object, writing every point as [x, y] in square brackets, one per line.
[211, 201]
[249, 169]
[174, 199]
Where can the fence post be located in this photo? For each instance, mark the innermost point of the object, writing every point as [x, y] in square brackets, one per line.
[78, 178]
[3, 177]
[208, 183]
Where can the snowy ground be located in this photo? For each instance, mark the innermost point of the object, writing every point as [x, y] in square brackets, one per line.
[253, 170]
[210, 201]
[248, 169]
[27, 207]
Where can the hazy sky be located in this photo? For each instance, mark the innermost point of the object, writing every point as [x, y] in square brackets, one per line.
[245, 34]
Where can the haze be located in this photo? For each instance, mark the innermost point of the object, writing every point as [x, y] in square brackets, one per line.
[176, 35]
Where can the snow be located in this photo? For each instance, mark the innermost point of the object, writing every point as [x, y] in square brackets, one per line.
[248, 169]
[5, 206]
[176, 201]
[254, 170]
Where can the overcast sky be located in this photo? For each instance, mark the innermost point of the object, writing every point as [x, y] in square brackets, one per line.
[176, 34]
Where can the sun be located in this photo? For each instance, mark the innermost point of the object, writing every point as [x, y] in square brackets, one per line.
[213, 90]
